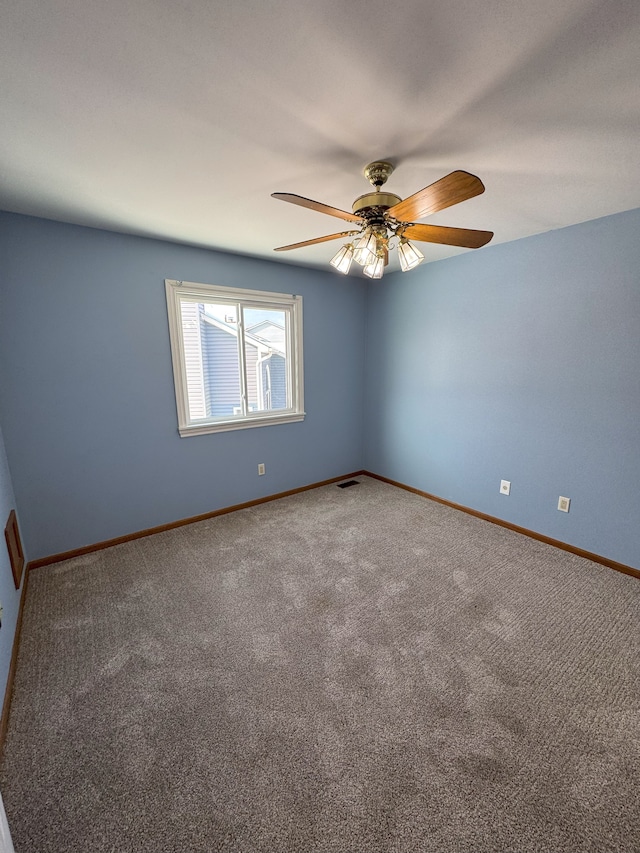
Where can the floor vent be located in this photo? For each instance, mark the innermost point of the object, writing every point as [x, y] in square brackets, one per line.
[348, 483]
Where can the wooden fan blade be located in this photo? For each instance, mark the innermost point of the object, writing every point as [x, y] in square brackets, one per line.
[466, 237]
[452, 189]
[316, 240]
[317, 205]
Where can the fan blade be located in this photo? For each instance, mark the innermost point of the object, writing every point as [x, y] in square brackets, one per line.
[452, 189]
[317, 205]
[466, 237]
[313, 242]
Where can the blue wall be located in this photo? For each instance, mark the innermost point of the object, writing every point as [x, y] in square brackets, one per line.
[519, 361]
[87, 403]
[9, 595]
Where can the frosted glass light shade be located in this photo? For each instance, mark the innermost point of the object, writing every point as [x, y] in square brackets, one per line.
[365, 248]
[343, 258]
[409, 256]
[375, 269]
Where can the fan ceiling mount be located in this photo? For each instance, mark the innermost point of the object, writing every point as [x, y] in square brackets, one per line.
[382, 216]
[377, 173]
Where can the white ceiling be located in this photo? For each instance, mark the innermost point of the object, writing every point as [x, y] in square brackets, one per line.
[178, 118]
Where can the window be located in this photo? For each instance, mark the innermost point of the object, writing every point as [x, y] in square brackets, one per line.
[237, 357]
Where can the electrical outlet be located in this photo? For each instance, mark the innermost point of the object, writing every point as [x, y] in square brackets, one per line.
[505, 487]
[261, 469]
[563, 504]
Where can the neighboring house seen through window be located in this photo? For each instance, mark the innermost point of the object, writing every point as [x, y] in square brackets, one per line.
[237, 357]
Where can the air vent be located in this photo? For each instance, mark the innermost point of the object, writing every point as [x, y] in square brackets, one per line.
[348, 483]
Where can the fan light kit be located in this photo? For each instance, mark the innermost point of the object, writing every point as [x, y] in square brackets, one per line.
[384, 221]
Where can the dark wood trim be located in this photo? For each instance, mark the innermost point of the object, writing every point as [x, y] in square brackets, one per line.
[139, 534]
[557, 543]
[14, 546]
[8, 692]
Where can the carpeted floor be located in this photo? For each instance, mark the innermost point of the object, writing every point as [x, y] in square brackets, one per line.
[353, 669]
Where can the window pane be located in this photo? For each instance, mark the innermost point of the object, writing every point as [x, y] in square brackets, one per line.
[226, 380]
[266, 354]
[210, 335]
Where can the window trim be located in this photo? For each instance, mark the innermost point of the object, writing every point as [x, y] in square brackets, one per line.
[177, 290]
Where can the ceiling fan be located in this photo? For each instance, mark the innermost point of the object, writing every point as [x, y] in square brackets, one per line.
[380, 216]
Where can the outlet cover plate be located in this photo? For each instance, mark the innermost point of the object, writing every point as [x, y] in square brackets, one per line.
[563, 504]
[505, 487]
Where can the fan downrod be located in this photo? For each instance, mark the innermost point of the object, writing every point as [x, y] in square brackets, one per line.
[378, 172]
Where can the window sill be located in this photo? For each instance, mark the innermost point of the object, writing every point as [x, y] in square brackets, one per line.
[240, 423]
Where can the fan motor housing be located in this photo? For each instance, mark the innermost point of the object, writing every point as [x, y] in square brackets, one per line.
[379, 199]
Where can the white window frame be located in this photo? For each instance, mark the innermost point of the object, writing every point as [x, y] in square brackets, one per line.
[238, 298]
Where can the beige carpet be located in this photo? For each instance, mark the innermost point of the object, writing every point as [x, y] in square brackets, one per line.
[353, 669]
